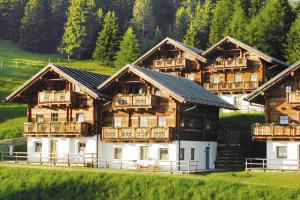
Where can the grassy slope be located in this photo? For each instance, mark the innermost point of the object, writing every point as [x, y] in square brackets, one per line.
[61, 183]
[12, 116]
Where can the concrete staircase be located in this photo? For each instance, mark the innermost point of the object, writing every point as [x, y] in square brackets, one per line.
[229, 157]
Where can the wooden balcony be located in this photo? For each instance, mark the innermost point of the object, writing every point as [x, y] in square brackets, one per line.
[169, 63]
[55, 97]
[293, 97]
[231, 63]
[276, 132]
[57, 128]
[132, 101]
[244, 86]
[132, 134]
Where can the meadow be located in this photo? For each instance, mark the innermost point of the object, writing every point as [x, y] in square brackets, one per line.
[77, 183]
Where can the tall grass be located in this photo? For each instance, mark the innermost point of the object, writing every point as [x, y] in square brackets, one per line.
[19, 183]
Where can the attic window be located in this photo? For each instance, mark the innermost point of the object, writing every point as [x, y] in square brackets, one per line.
[288, 88]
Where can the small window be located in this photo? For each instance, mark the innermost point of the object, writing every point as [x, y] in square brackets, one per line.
[238, 78]
[163, 154]
[192, 153]
[143, 121]
[118, 122]
[157, 91]
[118, 153]
[79, 117]
[216, 79]
[181, 154]
[38, 147]
[284, 119]
[282, 152]
[54, 117]
[253, 77]
[81, 147]
[190, 76]
[39, 118]
[237, 102]
[162, 121]
[144, 153]
[288, 88]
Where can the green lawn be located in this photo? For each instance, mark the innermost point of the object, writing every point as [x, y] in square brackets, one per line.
[232, 120]
[78, 183]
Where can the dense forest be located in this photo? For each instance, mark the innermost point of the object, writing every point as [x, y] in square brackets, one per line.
[116, 32]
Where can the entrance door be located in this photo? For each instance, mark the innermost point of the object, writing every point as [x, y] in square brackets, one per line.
[207, 158]
[53, 150]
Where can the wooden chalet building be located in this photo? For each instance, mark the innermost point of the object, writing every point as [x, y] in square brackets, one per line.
[281, 130]
[230, 69]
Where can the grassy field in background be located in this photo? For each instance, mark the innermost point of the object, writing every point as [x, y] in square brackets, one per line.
[77, 183]
[243, 121]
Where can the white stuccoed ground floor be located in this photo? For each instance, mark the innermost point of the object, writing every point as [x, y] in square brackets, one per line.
[204, 152]
[238, 101]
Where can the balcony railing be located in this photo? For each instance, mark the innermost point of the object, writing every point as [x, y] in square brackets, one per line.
[293, 97]
[131, 101]
[56, 97]
[169, 63]
[276, 131]
[232, 86]
[230, 63]
[57, 128]
[137, 133]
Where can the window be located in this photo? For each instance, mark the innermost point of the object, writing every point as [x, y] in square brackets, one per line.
[253, 77]
[190, 76]
[39, 118]
[181, 154]
[117, 121]
[54, 117]
[282, 152]
[238, 78]
[79, 117]
[216, 79]
[192, 153]
[237, 102]
[162, 121]
[288, 88]
[143, 121]
[284, 119]
[38, 147]
[118, 153]
[144, 153]
[163, 154]
[157, 91]
[81, 147]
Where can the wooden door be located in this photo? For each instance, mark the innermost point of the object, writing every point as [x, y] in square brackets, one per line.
[53, 150]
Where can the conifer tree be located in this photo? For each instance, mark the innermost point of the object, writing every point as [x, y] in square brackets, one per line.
[238, 22]
[129, 49]
[220, 20]
[292, 47]
[34, 30]
[254, 7]
[181, 23]
[107, 42]
[80, 29]
[267, 30]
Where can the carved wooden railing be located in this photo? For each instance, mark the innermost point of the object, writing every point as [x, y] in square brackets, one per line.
[275, 131]
[169, 63]
[229, 63]
[137, 133]
[293, 97]
[134, 101]
[47, 97]
[56, 128]
[232, 86]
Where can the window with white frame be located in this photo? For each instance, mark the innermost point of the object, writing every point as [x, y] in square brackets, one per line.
[162, 121]
[163, 154]
[117, 153]
[39, 118]
[190, 76]
[288, 88]
[118, 122]
[144, 153]
[238, 78]
[181, 154]
[54, 117]
[281, 152]
[253, 77]
[284, 119]
[38, 147]
[216, 79]
[79, 117]
[192, 153]
[81, 147]
[143, 121]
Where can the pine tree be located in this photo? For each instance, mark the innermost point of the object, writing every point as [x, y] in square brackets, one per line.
[292, 47]
[221, 17]
[107, 42]
[238, 22]
[80, 29]
[267, 31]
[34, 30]
[254, 7]
[181, 23]
[129, 49]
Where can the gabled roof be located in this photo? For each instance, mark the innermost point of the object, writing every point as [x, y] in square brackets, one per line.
[181, 89]
[194, 51]
[273, 81]
[88, 81]
[264, 56]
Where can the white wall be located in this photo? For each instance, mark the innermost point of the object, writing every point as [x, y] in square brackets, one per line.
[292, 155]
[245, 105]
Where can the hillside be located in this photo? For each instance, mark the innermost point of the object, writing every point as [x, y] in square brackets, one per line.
[17, 67]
